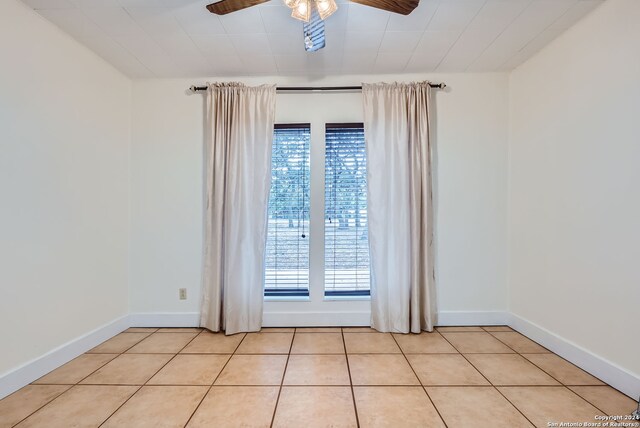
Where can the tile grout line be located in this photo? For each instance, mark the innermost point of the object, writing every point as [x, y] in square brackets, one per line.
[41, 407]
[331, 353]
[214, 380]
[234, 352]
[144, 384]
[485, 327]
[155, 329]
[353, 394]
[118, 354]
[583, 398]
[419, 381]
[491, 383]
[284, 373]
[330, 385]
[84, 378]
[310, 353]
[512, 347]
[562, 384]
[78, 383]
[121, 352]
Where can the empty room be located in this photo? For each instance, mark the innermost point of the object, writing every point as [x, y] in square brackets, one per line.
[319, 213]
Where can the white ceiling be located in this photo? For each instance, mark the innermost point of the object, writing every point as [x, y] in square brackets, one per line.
[180, 38]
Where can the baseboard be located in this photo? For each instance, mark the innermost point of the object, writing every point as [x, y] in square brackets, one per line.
[311, 319]
[459, 318]
[603, 369]
[166, 319]
[38, 367]
[316, 319]
[306, 319]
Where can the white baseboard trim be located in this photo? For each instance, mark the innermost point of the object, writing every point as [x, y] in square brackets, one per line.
[355, 319]
[38, 367]
[311, 319]
[459, 318]
[166, 319]
[316, 319]
[605, 370]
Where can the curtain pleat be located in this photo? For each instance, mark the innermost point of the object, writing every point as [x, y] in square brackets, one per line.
[237, 174]
[397, 135]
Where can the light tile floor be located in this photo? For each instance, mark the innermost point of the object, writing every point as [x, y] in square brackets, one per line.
[349, 377]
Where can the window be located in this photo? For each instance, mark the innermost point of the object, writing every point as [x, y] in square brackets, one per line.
[346, 240]
[346, 243]
[287, 255]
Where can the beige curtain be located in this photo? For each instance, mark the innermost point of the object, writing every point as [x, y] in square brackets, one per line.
[237, 173]
[396, 124]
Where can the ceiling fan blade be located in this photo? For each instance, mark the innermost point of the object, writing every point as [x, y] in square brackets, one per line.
[403, 7]
[227, 6]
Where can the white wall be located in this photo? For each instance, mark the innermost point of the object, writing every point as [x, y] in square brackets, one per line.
[64, 141]
[571, 207]
[166, 185]
[574, 171]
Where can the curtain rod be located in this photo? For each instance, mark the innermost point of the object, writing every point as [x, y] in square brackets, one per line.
[315, 88]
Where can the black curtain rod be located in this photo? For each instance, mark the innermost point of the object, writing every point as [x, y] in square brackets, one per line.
[316, 88]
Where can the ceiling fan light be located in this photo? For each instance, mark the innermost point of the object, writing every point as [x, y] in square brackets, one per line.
[302, 11]
[291, 3]
[326, 8]
[308, 43]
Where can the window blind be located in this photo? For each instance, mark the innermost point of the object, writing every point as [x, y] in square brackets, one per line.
[287, 253]
[346, 238]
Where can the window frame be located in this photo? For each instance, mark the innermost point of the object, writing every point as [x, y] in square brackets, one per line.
[340, 293]
[275, 293]
[317, 297]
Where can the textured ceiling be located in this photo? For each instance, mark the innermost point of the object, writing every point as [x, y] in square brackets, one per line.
[180, 38]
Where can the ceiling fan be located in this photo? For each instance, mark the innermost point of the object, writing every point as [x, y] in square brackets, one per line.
[313, 13]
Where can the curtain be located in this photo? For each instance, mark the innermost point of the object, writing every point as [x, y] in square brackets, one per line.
[396, 122]
[237, 174]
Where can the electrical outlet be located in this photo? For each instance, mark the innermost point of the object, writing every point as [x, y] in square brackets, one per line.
[183, 294]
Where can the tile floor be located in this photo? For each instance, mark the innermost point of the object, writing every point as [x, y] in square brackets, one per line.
[333, 377]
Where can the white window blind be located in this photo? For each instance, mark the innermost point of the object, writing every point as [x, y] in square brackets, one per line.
[346, 240]
[287, 256]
